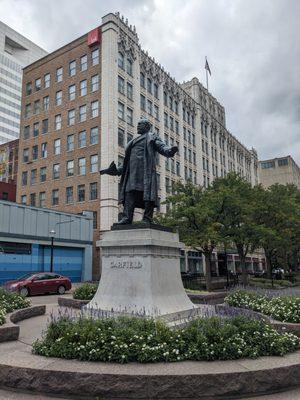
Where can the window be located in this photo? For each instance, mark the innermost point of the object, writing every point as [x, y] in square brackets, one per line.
[121, 61]
[24, 178]
[35, 152]
[142, 80]
[149, 107]
[28, 88]
[129, 67]
[44, 150]
[94, 163]
[69, 194]
[129, 91]
[57, 143]
[155, 90]
[177, 168]
[25, 155]
[129, 116]
[171, 102]
[176, 107]
[42, 199]
[121, 137]
[81, 139]
[44, 126]
[143, 102]
[36, 129]
[83, 63]
[94, 219]
[27, 110]
[81, 192]
[172, 124]
[70, 142]
[72, 68]
[156, 112]
[23, 199]
[36, 107]
[47, 79]
[82, 113]
[95, 83]
[193, 139]
[55, 171]
[58, 98]
[121, 113]
[26, 132]
[121, 85]
[55, 197]
[70, 168]
[43, 174]
[166, 120]
[94, 135]
[57, 122]
[81, 166]
[165, 99]
[59, 74]
[33, 177]
[72, 92]
[95, 57]
[282, 162]
[129, 137]
[38, 84]
[176, 127]
[83, 88]
[32, 199]
[93, 191]
[267, 164]
[149, 85]
[46, 103]
[71, 117]
[94, 109]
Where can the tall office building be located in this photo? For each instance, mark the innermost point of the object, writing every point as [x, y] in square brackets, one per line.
[281, 170]
[81, 105]
[15, 53]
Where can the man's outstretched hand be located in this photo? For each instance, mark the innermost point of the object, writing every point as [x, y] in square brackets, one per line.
[173, 150]
[111, 170]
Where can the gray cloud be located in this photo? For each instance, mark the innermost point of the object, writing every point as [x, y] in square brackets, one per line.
[252, 46]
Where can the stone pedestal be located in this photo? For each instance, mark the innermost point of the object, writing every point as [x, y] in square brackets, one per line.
[141, 274]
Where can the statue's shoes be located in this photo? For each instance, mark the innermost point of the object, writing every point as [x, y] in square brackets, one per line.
[124, 221]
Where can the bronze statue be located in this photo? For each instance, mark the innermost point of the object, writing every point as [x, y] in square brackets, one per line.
[138, 184]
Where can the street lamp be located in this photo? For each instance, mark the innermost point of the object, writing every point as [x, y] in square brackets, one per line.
[52, 234]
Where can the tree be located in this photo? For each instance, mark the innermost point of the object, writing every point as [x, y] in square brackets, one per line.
[234, 199]
[277, 215]
[192, 213]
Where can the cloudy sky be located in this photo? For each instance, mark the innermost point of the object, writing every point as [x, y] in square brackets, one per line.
[253, 48]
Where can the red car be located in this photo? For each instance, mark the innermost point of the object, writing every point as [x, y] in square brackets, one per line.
[41, 283]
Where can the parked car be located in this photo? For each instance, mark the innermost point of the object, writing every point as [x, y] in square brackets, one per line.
[41, 283]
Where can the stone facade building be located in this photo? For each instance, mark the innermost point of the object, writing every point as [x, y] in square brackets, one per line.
[16, 51]
[80, 106]
[281, 170]
[9, 156]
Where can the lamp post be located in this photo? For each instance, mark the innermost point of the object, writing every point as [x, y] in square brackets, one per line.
[51, 234]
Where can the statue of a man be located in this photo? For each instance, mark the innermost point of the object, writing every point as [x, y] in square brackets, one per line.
[138, 184]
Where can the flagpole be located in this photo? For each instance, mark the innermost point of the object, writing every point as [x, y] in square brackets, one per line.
[206, 74]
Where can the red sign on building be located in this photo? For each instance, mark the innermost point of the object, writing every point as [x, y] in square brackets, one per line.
[94, 37]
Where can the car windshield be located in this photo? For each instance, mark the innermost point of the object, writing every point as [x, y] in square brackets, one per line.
[26, 276]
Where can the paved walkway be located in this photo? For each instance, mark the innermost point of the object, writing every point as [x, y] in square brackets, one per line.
[31, 329]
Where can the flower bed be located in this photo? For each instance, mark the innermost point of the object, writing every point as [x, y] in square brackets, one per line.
[9, 302]
[85, 292]
[140, 340]
[282, 308]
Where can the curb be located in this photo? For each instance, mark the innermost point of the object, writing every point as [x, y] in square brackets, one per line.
[106, 381]
[10, 331]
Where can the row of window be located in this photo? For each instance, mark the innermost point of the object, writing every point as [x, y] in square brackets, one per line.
[83, 88]
[148, 106]
[125, 89]
[121, 137]
[81, 169]
[82, 115]
[151, 87]
[125, 64]
[121, 113]
[83, 65]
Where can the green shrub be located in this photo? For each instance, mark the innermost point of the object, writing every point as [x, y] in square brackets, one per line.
[2, 316]
[10, 301]
[86, 291]
[141, 340]
[282, 308]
